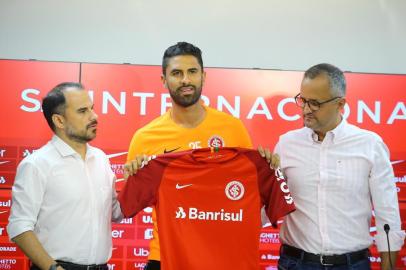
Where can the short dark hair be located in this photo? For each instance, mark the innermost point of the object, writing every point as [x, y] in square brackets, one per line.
[55, 103]
[334, 74]
[181, 48]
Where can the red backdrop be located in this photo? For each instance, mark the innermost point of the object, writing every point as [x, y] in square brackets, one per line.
[127, 97]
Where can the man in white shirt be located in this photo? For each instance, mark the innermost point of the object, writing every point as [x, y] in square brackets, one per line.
[64, 197]
[336, 173]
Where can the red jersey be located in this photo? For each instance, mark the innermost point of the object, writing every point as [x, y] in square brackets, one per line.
[208, 206]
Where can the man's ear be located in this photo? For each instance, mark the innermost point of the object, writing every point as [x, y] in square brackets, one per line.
[58, 120]
[163, 80]
[203, 77]
[341, 103]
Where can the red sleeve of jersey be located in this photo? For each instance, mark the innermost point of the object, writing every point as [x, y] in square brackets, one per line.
[273, 189]
[141, 189]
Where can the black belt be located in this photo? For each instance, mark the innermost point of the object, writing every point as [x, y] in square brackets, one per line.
[326, 260]
[74, 266]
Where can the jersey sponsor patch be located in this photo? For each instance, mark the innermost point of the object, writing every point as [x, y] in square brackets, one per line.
[194, 213]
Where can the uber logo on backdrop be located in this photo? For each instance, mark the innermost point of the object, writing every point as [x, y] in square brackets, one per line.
[123, 233]
[146, 219]
[136, 252]
[115, 265]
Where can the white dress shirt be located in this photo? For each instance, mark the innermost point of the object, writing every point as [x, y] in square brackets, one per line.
[68, 202]
[335, 183]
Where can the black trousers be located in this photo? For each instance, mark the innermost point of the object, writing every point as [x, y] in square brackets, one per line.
[153, 265]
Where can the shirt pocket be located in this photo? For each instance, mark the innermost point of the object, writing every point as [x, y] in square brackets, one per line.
[352, 173]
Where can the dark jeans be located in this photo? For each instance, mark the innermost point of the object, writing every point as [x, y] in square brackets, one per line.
[290, 263]
[153, 265]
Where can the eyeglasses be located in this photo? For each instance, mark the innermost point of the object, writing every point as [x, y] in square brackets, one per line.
[314, 105]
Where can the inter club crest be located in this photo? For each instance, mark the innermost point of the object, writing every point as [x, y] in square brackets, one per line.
[216, 141]
[234, 190]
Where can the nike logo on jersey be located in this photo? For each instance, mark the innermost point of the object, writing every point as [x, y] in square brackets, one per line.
[170, 151]
[182, 186]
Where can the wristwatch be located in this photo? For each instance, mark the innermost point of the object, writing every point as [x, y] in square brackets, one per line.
[54, 266]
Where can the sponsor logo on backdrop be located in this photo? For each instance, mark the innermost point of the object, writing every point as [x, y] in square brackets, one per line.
[148, 210]
[374, 259]
[8, 152]
[116, 154]
[146, 219]
[5, 202]
[269, 238]
[198, 214]
[123, 233]
[257, 108]
[117, 168]
[127, 221]
[400, 179]
[27, 152]
[140, 252]
[3, 231]
[148, 234]
[234, 190]
[8, 249]
[136, 265]
[269, 257]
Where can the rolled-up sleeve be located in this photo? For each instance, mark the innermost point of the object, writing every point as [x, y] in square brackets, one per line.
[27, 196]
[385, 200]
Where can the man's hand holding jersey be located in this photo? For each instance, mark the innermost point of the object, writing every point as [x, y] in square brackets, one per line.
[131, 167]
[272, 159]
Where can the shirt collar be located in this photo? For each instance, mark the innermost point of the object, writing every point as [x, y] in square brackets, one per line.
[337, 133]
[65, 150]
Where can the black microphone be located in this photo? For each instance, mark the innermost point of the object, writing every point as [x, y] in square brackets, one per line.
[386, 228]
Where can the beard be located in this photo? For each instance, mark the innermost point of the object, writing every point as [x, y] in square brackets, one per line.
[82, 136]
[186, 100]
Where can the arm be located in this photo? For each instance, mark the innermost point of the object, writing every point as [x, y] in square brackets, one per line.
[134, 160]
[116, 214]
[27, 195]
[31, 247]
[385, 201]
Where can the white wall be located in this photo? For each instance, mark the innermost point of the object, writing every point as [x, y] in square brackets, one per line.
[356, 35]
